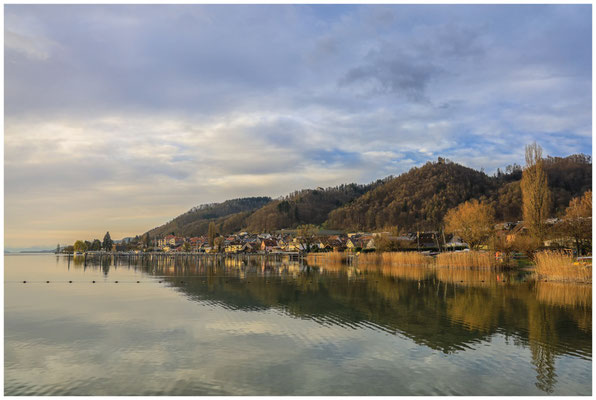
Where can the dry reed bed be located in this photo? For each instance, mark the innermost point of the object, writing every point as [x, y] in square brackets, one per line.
[401, 258]
[467, 259]
[559, 266]
[398, 271]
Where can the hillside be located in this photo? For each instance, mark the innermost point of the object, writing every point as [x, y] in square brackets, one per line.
[415, 200]
[229, 216]
[420, 198]
[310, 206]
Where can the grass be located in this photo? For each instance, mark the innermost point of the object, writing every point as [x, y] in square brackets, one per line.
[560, 266]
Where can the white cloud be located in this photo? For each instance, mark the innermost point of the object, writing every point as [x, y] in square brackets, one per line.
[34, 48]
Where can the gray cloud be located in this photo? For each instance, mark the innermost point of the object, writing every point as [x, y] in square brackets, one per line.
[128, 115]
[397, 75]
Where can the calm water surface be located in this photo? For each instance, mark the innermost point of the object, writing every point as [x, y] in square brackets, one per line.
[254, 328]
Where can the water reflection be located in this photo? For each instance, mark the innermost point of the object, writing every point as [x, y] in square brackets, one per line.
[447, 310]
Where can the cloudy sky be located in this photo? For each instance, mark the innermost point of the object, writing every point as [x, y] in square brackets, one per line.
[121, 117]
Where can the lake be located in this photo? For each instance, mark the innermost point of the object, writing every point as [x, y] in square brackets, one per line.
[232, 327]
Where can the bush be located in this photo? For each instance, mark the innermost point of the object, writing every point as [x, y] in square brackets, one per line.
[467, 259]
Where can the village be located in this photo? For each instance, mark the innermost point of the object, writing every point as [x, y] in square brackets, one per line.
[292, 241]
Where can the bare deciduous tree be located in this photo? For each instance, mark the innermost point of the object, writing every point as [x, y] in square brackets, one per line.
[536, 196]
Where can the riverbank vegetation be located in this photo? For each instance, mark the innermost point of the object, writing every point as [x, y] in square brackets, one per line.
[557, 265]
[468, 259]
[409, 258]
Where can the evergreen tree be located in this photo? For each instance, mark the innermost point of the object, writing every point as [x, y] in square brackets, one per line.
[107, 242]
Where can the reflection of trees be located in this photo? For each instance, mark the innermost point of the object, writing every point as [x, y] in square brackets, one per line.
[543, 339]
[431, 306]
[575, 299]
[106, 262]
[469, 277]
[476, 310]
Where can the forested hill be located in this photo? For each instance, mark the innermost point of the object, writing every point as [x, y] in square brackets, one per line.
[310, 206]
[420, 198]
[415, 200]
[229, 216]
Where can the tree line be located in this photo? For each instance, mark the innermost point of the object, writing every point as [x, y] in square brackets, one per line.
[81, 246]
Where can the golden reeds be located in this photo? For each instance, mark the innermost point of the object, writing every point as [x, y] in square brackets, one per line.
[560, 266]
[467, 259]
[401, 257]
[398, 271]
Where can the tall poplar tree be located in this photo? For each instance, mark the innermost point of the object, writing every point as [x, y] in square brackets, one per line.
[536, 195]
[211, 232]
